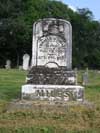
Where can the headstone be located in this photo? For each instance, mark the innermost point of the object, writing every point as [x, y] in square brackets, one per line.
[52, 43]
[87, 70]
[51, 76]
[26, 59]
[20, 67]
[85, 78]
[8, 64]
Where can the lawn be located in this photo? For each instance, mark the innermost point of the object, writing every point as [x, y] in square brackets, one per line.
[48, 119]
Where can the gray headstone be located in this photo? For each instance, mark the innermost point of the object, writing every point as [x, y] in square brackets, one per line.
[52, 43]
[85, 78]
[26, 59]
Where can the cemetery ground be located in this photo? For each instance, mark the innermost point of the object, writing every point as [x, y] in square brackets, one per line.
[48, 119]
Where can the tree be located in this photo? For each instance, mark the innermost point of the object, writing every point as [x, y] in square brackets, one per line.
[16, 22]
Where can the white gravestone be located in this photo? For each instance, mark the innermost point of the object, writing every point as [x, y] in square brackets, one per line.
[8, 64]
[52, 43]
[26, 59]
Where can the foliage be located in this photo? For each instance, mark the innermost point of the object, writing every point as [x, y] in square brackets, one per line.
[18, 16]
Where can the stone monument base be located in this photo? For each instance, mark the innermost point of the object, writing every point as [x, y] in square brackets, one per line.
[52, 92]
[42, 75]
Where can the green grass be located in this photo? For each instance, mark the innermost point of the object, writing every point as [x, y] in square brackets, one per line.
[10, 83]
[92, 89]
[76, 119]
[43, 130]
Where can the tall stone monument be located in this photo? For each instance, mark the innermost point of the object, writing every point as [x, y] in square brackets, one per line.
[51, 76]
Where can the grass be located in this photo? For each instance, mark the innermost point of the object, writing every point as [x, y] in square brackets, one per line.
[46, 119]
[10, 83]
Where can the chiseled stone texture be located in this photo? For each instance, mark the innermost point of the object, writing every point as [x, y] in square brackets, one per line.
[51, 76]
[54, 76]
[52, 43]
[53, 92]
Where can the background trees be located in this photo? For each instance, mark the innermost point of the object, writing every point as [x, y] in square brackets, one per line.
[18, 16]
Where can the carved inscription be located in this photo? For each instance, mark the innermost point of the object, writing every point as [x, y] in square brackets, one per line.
[52, 43]
[51, 49]
[54, 92]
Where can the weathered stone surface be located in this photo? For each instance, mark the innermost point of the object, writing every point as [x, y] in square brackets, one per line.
[51, 76]
[52, 43]
[26, 59]
[8, 64]
[54, 76]
[53, 92]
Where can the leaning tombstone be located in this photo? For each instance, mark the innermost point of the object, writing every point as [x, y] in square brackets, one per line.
[26, 59]
[8, 64]
[51, 76]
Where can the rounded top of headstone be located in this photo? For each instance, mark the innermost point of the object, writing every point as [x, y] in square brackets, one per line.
[55, 20]
[52, 42]
[26, 56]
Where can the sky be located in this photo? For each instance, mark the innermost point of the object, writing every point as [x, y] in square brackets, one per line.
[93, 5]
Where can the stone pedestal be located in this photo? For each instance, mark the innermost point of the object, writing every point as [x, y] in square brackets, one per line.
[54, 76]
[53, 92]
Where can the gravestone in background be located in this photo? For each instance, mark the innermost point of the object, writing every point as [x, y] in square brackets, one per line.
[26, 59]
[85, 78]
[8, 64]
[51, 76]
